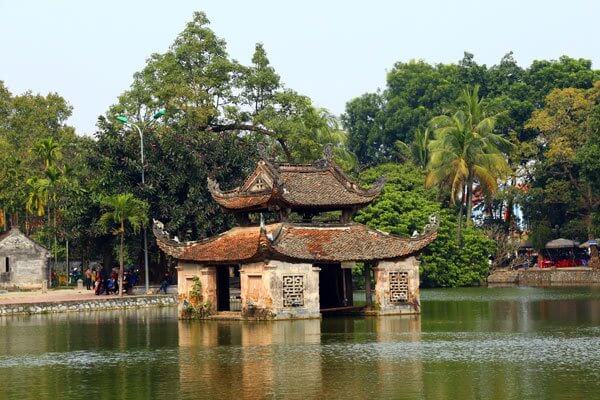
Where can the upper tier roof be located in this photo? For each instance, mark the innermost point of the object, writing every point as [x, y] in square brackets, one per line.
[319, 186]
[326, 243]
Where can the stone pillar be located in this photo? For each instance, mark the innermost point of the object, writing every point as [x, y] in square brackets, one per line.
[368, 292]
[186, 272]
[279, 290]
[397, 287]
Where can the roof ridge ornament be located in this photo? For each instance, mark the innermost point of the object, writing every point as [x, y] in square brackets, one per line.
[328, 151]
[431, 226]
[213, 185]
[262, 151]
[325, 161]
[378, 185]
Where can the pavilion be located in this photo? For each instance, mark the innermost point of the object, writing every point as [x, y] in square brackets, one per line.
[298, 265]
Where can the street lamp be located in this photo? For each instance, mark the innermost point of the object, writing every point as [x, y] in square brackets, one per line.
[125, 121]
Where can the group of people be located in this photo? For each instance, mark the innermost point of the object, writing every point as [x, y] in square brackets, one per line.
[103, 283]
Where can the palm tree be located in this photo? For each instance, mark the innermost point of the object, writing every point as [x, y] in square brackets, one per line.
[122, 210]
[37, 198]
[419, 147]
[49, 151]
[466, 151]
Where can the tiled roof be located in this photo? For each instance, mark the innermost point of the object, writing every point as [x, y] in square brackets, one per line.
[16, 231]
[327, 243]
[353, 242]
[321, 186]
[235, 245]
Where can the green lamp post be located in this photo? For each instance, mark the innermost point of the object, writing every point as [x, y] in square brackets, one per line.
[125, 121]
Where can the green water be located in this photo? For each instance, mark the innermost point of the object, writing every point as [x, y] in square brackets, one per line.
[503, 343]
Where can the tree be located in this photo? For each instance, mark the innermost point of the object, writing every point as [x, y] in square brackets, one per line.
[49, 151]
[405, 206]
[123, 210]
[203, 90]
[419, 148]
[37, 198]
[466, 151]
[417, 91]
[217, 112]
[565, 183]
[364, 120]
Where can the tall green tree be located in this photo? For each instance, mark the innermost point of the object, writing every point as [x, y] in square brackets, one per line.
[564, 189]
[122, 211]
[49, 151]
[418, 150]
[405, 206]
[466, 151]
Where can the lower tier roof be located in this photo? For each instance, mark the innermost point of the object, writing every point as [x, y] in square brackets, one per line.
[296, 242]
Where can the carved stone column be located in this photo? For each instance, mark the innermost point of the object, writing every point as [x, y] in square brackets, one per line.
[186, 272]
[397, 287]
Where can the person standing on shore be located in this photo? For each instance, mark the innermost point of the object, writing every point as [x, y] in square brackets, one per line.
[166, 281]
[88, 278]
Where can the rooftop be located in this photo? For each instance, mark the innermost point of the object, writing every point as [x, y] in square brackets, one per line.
[319, 186]
[325, 243]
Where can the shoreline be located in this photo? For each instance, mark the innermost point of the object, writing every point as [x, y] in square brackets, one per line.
[85, 303]
[546, 277]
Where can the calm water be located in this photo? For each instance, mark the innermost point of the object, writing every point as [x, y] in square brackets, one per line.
[504, 343]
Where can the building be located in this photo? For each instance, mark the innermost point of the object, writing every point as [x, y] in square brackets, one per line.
[297, 266]
[23, 262]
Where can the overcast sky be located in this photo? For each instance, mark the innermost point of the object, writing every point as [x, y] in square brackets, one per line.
[87, 51]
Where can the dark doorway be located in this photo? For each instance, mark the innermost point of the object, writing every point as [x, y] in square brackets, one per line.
[228, 288]
[335, 286]
[222, 288]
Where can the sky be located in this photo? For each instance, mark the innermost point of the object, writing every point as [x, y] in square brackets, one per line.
[332, 51]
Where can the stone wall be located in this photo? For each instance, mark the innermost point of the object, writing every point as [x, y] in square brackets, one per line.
[397, 287]
[208, 279]
[546, 277]
[27, 262]
[280, 290]
[88, 305]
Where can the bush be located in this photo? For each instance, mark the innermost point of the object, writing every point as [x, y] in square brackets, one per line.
[405, 206]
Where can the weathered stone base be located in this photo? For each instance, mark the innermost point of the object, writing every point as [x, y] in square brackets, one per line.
[88, 305]
[406, 287]
[406, 309]
[278, 290]
[546, 277]
[239, 316]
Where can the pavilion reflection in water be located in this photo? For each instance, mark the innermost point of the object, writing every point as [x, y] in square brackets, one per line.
[295, 359]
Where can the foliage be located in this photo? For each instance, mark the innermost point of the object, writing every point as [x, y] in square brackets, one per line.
[466, 151]
[565, 190]
[405, 206]
[418, 150]
[122, 210]
[196, 307]
[417, 91]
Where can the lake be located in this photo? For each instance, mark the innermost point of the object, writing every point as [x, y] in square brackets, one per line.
[475, 343]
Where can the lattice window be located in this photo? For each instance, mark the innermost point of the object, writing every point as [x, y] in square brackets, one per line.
[398, 286]
[259, 185]
[293, 291]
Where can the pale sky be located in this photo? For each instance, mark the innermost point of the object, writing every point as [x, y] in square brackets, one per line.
[332, 51]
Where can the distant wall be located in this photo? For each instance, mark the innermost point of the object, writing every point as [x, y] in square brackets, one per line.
[88, 305]
[547, 277]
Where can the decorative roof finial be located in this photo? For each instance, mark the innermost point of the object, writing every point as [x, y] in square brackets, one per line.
[328, 151]
[263, 228]
[213, 185]
[262, 151]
